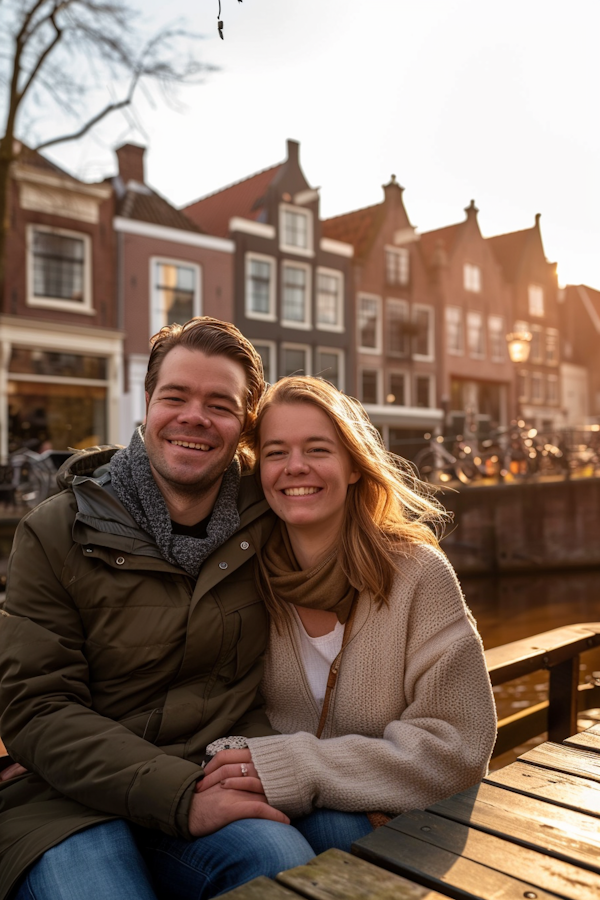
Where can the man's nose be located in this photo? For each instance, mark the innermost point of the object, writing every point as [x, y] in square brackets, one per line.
[195, 414]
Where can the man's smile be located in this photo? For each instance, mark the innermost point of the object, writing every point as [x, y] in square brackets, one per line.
[191, 445]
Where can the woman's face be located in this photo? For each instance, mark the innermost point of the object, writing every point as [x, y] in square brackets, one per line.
[305, 469]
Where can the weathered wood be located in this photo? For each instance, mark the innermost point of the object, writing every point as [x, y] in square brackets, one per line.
[335, 874]
[541, 651]
[520, 727]
[571, 791]
[563, 758]
[551, 874]
[261, 889]
[562, 696]
[568, 835]
[589, 740]
[442, 870]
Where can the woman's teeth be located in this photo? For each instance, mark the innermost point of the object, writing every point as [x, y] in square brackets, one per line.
[301, 491]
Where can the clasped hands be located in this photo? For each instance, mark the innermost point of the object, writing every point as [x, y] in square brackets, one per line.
[225, 795]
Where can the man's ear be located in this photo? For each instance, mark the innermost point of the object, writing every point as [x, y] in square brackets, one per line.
[147, 403]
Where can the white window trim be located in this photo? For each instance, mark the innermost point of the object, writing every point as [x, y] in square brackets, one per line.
[538, 315]
[272, 347]
[398, 251]
[553, 379]
[552, 332]
[471, 267]
[431, 380]
[271, 316]
[502, 332]
[389, 302]
[407, 386]
[450, 350]
[378, 386]
[287, 345]
[287, 248]
[375, 351]
[537, 378]
[339, 327]
[476, 312]
[341, 363]
[430, 355]
[306, 325]
[171, 261]
[541, 359]
[85, 307]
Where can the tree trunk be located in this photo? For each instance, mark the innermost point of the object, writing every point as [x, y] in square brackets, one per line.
[6, 159]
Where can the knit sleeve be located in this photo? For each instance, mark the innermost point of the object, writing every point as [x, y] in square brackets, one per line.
[441, 742]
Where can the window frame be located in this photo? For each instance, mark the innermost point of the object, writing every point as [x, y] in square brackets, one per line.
[86, 305]
[272, 348]
[291, 345]
[399, 253]
[471, 314]
[555, 400]
[306, 324]
[339, 327]
[552, 339]
[537, 378]
[523, 374]
[502, 332]
[291, 248]
[379, 374]
[335, 351]
[407, 386]
[472, 278]
[390, 303]
[450, 350]
[431, 379]
[533, 307]
[430, 355]
[375, 351]
[181, 263]
[271, 315]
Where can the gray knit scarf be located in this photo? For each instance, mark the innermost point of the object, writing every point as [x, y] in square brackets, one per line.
[137, 490]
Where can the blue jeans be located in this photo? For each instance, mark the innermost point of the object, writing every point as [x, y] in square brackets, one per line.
[107, 862]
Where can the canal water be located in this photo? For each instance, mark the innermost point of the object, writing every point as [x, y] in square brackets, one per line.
[512, 607]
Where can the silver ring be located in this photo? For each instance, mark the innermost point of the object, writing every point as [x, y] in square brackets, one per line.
[244, 768]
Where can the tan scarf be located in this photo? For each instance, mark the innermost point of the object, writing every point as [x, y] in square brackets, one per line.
[325, 586]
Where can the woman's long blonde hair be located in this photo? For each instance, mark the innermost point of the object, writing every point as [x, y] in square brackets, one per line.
[388, 510]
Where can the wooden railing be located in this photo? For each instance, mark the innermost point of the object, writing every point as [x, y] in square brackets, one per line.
[558, 651]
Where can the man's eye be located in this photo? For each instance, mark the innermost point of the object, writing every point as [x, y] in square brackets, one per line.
[272, 453]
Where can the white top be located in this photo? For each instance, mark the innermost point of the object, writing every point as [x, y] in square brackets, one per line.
[317, 654]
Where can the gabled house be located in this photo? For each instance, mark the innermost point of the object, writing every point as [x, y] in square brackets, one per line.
[61, 346]
[396, 353]
[168, 270]
[475, 375]
[533, 288]
[292, 285]
[580, 354]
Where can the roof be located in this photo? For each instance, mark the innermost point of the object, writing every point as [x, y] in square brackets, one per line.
[429, 240]
[142, 204]
[508, 250]
[212, 213]
[591, 302]
[356, 228]
[29, 157]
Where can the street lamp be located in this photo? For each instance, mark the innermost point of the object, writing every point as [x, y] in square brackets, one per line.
[519, 345]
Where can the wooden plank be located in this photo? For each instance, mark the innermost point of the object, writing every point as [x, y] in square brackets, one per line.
[562, 696]
[589, 740]
[335, 874]
[568, 835]
[442, 870]
[569, 791]
[544, 871]
[261, 889]
[564, 758]
[541, 651]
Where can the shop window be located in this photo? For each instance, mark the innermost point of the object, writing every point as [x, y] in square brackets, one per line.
[175, 293]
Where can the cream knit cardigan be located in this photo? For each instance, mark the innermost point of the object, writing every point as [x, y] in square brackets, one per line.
[412, 718]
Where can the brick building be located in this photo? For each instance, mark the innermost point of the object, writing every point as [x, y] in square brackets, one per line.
[580, 354]
[60, 344]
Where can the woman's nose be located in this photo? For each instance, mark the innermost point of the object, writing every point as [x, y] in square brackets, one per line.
[296, 464]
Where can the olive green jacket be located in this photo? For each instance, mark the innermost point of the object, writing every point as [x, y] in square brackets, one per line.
[116, 668]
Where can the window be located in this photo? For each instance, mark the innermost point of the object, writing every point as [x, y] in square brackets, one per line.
[423, 391]
[552, 347]
[294, 359]
[369, 323]
[397, 332]
[536, 300]
[472, 278]
[397, 391]
[536, 352]
[523, 384]
[266, 350]
[175, 293]
[454, 330]
[260, 287]
[497, 338]
[59, 269]
[397, 265]
[295, 229]
[552, 389]
[330, 300]
[295, 311]
[370, 386]
[330, 365]
[423, 332]
[475, 340]
[537, 387]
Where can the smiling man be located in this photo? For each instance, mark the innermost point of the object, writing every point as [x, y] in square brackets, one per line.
[131, 639]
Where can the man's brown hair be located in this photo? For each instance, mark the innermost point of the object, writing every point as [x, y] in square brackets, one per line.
[212, 337]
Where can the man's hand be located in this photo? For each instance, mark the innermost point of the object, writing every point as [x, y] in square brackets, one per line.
[216, 807]
[12, 772]
[227, 769]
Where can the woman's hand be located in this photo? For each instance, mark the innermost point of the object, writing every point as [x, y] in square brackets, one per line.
[12, 772]
[227, 769]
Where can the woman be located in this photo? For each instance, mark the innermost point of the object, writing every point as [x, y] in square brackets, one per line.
[375, 675]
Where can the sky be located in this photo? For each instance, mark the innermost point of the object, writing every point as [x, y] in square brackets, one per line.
[470, 99]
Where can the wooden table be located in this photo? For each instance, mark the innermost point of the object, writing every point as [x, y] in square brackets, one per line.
[530, 831]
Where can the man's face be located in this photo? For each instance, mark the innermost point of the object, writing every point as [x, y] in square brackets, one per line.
[194, 419]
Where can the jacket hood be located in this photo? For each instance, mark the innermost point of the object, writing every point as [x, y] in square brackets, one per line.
[85, 462]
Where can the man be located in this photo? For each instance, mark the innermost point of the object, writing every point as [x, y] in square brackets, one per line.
[131, 639]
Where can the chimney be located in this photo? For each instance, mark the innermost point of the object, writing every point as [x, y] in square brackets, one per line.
[293, 151]
[471, 210]
[392, 190]
[131, 162]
